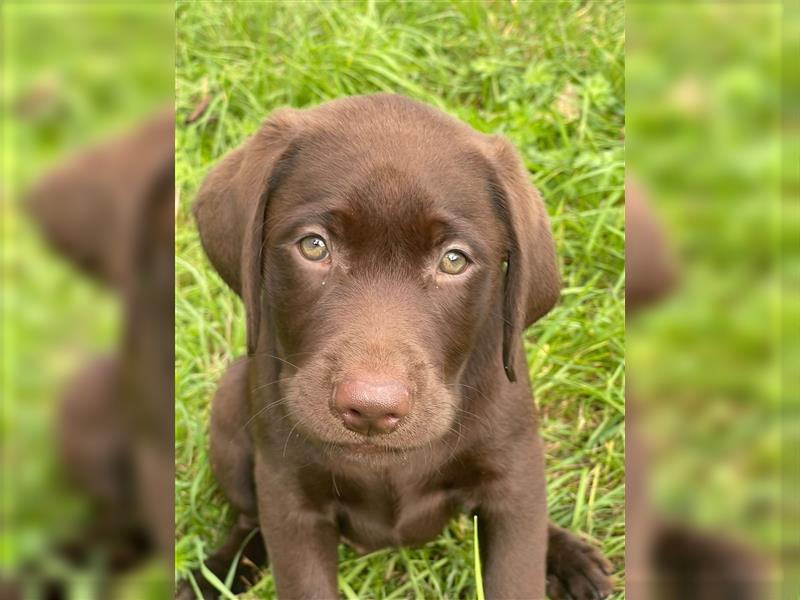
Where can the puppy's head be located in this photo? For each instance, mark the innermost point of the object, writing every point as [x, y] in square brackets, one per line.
[378, 245]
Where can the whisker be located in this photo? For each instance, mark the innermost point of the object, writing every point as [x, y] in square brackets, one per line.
[301, 353]
[283, 418]
[469, 387]
[266, 385]
[288, 437]
[264, 409]
[458, 441]
[283, 360]
[477, 418]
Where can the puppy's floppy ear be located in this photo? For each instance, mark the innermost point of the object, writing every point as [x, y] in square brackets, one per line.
[231, 207]
[532, 282]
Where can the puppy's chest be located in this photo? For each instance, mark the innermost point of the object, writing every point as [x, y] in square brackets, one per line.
[378, 512]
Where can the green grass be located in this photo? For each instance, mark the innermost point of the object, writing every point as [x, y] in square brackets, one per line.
[550, 76]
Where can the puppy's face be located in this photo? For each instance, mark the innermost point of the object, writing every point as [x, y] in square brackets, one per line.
[382, 263]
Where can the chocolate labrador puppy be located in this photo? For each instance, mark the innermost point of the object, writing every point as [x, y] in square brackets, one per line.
[389, 258]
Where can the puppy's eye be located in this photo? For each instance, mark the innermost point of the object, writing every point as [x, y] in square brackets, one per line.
[314, 248]
[453, 262]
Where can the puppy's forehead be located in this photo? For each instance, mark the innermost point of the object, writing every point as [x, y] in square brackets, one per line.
[391, 166]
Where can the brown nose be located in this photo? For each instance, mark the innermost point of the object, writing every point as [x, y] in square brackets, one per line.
[371, 404]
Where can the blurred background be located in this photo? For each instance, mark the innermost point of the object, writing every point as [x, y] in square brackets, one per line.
[79, 81]
[711, 149]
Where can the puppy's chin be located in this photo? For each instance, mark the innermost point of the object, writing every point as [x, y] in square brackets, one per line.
[375, 457]
[367, 453]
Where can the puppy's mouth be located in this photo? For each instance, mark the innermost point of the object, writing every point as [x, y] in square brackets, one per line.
[367, 448]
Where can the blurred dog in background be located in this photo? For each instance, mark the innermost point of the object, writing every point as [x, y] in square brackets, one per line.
[109, 210]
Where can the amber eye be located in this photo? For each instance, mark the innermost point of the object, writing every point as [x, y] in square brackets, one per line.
[314, 248]
[453, 262]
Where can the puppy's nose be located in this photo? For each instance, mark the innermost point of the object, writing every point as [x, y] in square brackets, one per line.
[371, 404]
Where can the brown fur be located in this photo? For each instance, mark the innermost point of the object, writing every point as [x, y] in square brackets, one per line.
[390, 184]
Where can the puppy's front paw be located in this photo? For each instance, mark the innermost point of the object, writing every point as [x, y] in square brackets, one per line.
[575, 569]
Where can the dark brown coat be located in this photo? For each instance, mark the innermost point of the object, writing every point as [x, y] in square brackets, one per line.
[390, 185]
